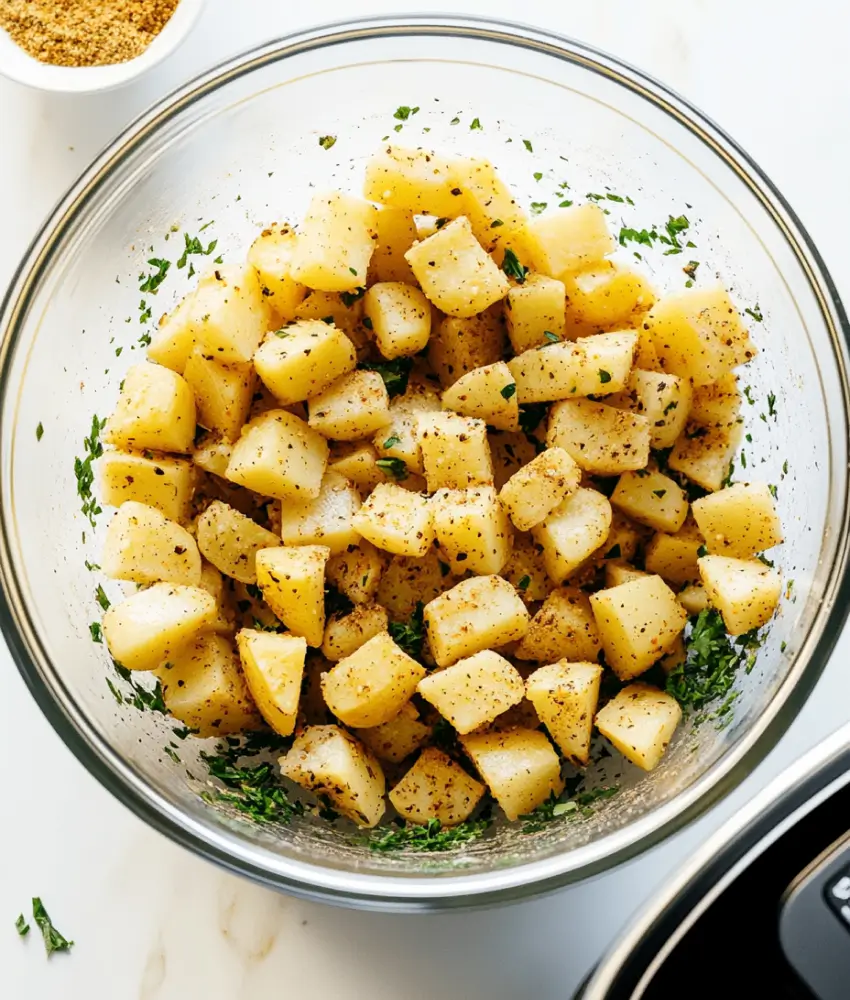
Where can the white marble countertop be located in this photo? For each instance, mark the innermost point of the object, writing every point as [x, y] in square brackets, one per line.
[151, 921]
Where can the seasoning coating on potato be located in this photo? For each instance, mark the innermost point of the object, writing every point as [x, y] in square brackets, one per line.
[675, 556]
[744, 591]
[455, 272]
[574, 530]
[230, 541]
[271, 257]
[174, 337]
[142, 545]
[400, 318]
[617, 572]
[292, 580]
[488, 393]
[472, 530]
[229, 313]
[486, 200]
[474, 691]
[532, 493]
[152, 625]
[458, 346]
[415, 180]
[693, 599]
[222, 393]
[396, 235]
[273, 666]
[640, 721]
[346, 633]
[356, 572]
[436, 788]
[356, 461]
[396, 520]
[370, 687]
[335, 242]
[717, 404]
[400, 438]
[651, 498]
[407, 581]
[155, 411]
[303, 359]
[534, 309]
[606, 295]
[476, 614]
[637, 623]
[212, 454]
[355, 406]
[563, 629]
[526, 569]
[156, 480]
[329, 761]
[519, 766]
[510, 451]
[703, 454]
[739, 520]
[398, 738]
[567, 239]
[455, 451]
[565, 696]
[343, 309]
[665, 401]
[601, 439]
[327, 520]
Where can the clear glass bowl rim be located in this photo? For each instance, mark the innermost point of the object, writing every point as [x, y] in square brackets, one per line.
[419, 892]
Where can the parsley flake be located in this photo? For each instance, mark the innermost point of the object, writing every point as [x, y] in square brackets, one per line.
[39, 431]
[21, 926]
[395, 467]
[512, 267]
[604, 376]
[394, 373]
[527, 144]
[755, 312]
[194, 246]
[508, 390]
[476, 124]
[327, 141]
[151, 282]
[429, 837]
[524, 583]
[53, 940]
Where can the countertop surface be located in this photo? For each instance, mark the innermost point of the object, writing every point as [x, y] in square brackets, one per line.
[154, 923]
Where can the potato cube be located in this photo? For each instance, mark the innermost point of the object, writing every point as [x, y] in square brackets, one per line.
[472, 530]
[640, 721]
[271, 257]
[400, 438]
[565, 696]
[212, 454]
[156, 480]
[343, 309]
[356, 461]
[563, 629]
[526, 570]
[142, 545]
[436, 788]
[204, 688]
[533, 309]
[274, 667]
[675, 556]
[458, 346]
[346, 633]
[488, 393]
[717, 404]
[637, 622]
[606, 295]
[279, 456]
[408, 581]
[744, 591]
[601, 439]
[174, 338]
[335, 242]
[153, 625]
[396, 520]
[519, 766]
[476, 614]
[624, 538]
[230, 541]
[397, 739]
[703, 454]
[292, 580]
[474, 691]
[574, 530]
[155, 412]
[329, 761]
[357, 571]
[327, 520]
[229, 313]
[651, 498]
[396, 235]
[665, 401]
[532, 493]
[568, 239]
[355, 406]
[739, 520]
[303, 359]
[400, 318]
[455, 272]
[415, 180]
[222, 394]
[510, 451]
[486, 200]
[693, 599]
[619, 572]
[455, 451]
[213, 583]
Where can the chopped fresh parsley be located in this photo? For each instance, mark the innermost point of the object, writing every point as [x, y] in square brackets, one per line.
[553, 338]
[524, 582]
[475, 124]
[84, 473]
[410, 635]
[151, 282]
[748, 395]
[690, 270]
[771, 405]
[604, 376]
[327, 141]
[508, 390]
[395, 467]
[580, 804]
[527, 144]
[496, 223]
[394, 373]
[39, 431]
[349, 298]
[392, 441]
[90, 566]
[102, 599]
[537, 207]
[53, 940]
[755, 312]
[566, 203]
[512, 267]
[643, 236]
[537, 175]
[673, 227]
[96, 632]
[531, 416]
[141, 698]
[404, 112]
[430, 836]
[774, 492]
[21, 925]
[194, 246]
[455, 121]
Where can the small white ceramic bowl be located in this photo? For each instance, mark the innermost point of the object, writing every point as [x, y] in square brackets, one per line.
[16, 64]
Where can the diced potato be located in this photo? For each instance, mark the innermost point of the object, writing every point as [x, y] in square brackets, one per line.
[455, 451]
[396, 520]
[155, 411]
[698, 334]
[637, 623]
[624, 537]
[565, 696]
[703, 454]
[646, 357]
[174, 338]
[510, 451]
[436, 788]
[744, 591]
[476, 614]
[335, 242]
[455, 272]
[620, 572]
[142, 545]
[346, 633]
[488, 393]
[396, 235]
[563, 629]
[458, 346]
[357, 461]
[611, 357]
[273, 666]
[370, 687]
[303, 359]
[693, 599]
[152, 625]
[717, 404]
[408, 581]
[278, 455]
[355, 406]
[327, 520]
[222, 394]
[640, 721]
[271, 257]
[203, 687]
[739, 520]
[415, 180]
[158, 481]
[665, 401]
[229, 313]
[573, 531]
[212, 455]
[292, 580]
[651, 498]
[474, 691]
[601, 439]
[213, 583]
[400, 318]
[472, 530]
[230, 541]
[343, 309]
[329, 761]
[533, 309]
[675, 556]
[519, 766]
[357, 571]
[532, 493]
[397, 739]
[606, 295]
[486, 200]
[526, 569]
[400, 438]
[568, 239]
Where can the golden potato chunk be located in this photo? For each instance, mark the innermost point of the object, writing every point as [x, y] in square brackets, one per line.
[229, 313]
[601, 439]
[230, 541]
[744, 591]
[472, 530]
[640, 721]
[534, 309]
[271, 257]
[174, 337]
[274, 667]
[335, 242]
[574, 530]
[606, 295]
[222, 394]
[567, 239]
[651, 498]
[565, 696]
[355, 406]
[156, 480]
[563, 629]
[155, 411]
[415, 180]
[396, 235]
[327, 520]
[397, 739]
[526, 569]
[407, 581]
[436, 788]
[142, 545]
[212, 454]
[619, 572]
[455, 451]
[400, 317]
[486, 200]
[292, 580]
[533, 492]
[693, 599]
[346, 633]
[458, 346]
[675, 556]
[488, 393]
[665, 401]
[739, 520]
[357, 571]
[303, 359]
[400, 438]
[396, 520]
[703, 454]
[717, 404]
[474, 691]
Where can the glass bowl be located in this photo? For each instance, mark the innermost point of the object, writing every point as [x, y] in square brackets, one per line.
[240, 148]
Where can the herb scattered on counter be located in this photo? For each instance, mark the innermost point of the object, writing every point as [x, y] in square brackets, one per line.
[774, 492]
[512, 267]
[455, 121]
[642, 236]
[151, 282]
[96, 632]
[509, 390]
[194, 246]
[21, 926]
[410, 635]
[395, 467]
[404, 112]
[527, 144]
[102, 599]
[771, 405]
[430, 837]
[475, 124]
[326, 141]
[690, 270]
[593, 196]
[537, 175]
[39, 431]
[537, 207]
[673, 227]
[141, 698]
[579, 804]
[172, 754]
[566, 203]
[144, 313]
[755, 312]
[84, 473]
[748, 395]
[394, 373]
[53, 940]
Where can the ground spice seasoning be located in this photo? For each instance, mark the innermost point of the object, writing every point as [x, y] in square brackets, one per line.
[85, 32]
